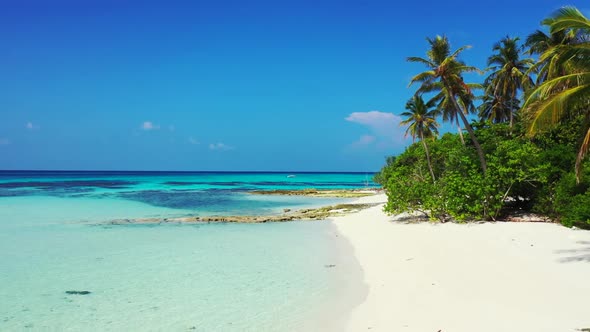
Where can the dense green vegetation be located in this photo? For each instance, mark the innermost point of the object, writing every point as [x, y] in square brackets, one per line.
[527, 149]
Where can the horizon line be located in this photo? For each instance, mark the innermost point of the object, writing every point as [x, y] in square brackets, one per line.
[168, 171]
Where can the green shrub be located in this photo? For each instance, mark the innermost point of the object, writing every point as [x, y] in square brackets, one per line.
[515, 170]
[572, 200]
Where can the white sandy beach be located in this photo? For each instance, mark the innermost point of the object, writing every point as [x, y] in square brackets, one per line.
[468, 277]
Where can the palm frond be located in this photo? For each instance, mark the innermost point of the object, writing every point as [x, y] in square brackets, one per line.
[458, 51]
[426, 62]
[423, 77]
[567, 18]
[549, 87]
[552, 109]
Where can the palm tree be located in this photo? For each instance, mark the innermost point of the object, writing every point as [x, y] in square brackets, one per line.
[447, 108]
[570, 89]
[445, 78]
[421, 121]
[538, 43]
[493, 108]
[508, 77]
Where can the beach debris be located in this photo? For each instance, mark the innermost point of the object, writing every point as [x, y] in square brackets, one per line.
[519, 216]
[75, 292]
[410, 217]
[286, 210]
[329, 265]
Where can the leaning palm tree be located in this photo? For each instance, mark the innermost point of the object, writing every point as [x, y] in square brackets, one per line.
[447, 108]
[558, 95]
[421, 122]
[508, 77]
[445, 78]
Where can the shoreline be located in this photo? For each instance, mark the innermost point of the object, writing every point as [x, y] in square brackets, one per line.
[358, 200]
[492, 276]
[344, 270]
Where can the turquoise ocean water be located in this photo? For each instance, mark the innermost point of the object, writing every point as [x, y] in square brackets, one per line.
[54, 238]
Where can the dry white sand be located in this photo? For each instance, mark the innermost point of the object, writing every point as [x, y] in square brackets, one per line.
[468, 277]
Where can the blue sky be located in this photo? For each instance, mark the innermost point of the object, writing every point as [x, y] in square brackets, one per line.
[225, 85]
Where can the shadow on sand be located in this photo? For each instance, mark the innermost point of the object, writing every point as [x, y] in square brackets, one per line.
[581, 254]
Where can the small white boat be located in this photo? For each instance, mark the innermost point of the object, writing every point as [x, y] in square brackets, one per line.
[290, 176]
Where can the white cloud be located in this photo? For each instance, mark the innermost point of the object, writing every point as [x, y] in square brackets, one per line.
[220, 146]
[364, 140]
[148, 125]
[193, 141]
[380, 122]
[5, 141]
[30, 126]
[385, 128]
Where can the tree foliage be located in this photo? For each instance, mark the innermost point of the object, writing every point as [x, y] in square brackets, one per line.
[461, 191]
[528, 148]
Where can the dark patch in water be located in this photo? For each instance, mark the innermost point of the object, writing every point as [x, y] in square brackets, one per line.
[177, 183]
[243, 189]
[56, 192]
[64, 185]
[270, 183]
[78, 195]
[190, 183]
[182, 199]
[75, 292]
[216, 201]
[59, 188]
[67, 191]
[15, 193]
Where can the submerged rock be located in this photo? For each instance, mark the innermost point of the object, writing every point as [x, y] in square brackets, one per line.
[343, 193]
[75, 292]
[321, 213]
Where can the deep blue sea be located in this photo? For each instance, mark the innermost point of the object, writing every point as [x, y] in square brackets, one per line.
[54, 238]
[176, 192]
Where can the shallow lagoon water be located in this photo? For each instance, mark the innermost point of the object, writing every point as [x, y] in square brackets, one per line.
[275, 277]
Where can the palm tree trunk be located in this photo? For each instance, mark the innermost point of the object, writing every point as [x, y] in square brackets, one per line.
[427, 157]
[511, 118]
[512, 109]
[460, 131]
[482, 159]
